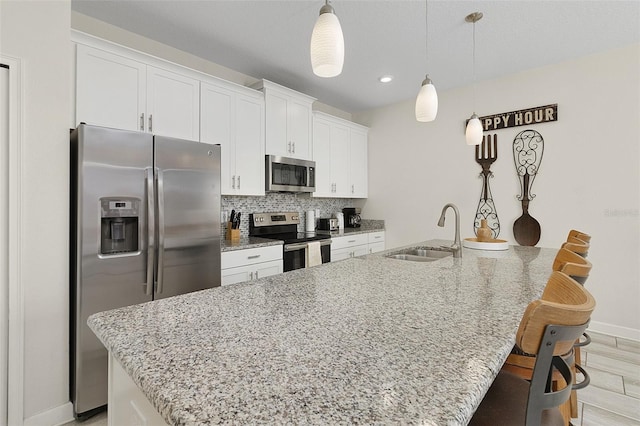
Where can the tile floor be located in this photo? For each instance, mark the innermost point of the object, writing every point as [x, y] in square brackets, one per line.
[612, 398]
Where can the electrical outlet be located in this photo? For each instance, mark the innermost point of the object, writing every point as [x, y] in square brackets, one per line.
[224, 217]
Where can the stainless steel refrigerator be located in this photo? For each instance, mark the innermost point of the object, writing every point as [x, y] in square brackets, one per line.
[145, 225]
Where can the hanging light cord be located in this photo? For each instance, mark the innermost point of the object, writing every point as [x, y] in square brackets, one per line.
[426, 32]
[474, 66]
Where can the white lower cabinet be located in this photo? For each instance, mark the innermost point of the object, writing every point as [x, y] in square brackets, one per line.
[349, 246]
[356, 245]
[127, 404]
[376, 242]
[250, 264]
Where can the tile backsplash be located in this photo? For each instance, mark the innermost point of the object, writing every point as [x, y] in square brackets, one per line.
[281, 202]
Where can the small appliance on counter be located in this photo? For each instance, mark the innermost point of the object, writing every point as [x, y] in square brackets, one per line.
[351, 217]
[328, 224]
[340, 217]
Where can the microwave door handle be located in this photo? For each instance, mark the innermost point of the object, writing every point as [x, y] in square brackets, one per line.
[160, 176]
[149, 180]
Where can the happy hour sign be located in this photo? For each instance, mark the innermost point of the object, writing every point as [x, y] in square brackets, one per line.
[523, 117]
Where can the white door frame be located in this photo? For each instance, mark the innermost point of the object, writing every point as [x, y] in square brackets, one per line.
[11, 243]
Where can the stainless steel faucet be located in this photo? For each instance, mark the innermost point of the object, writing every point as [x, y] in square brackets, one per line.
[456, 248]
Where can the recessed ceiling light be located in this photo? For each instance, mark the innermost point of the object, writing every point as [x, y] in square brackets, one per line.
[385, 78]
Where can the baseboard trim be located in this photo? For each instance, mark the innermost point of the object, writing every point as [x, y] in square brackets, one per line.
[54, 417]
[615, 330]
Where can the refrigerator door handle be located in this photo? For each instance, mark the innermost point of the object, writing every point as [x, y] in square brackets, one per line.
[160, 272]
[150, 230]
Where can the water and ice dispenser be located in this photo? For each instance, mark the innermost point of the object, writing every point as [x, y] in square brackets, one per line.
[119, 225]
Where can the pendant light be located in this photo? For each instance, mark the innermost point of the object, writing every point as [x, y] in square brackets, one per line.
[327, 44]
[427, 100]
[473, 133]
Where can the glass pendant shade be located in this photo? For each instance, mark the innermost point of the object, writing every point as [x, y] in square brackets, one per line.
[427, 102]
[473, 133]
[327, 44]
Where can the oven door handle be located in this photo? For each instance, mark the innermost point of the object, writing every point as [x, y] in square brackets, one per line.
[295, 247]
[301, 246]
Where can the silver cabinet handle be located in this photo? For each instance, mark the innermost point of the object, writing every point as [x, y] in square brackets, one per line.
[352, 190]
[351, 241]
[294, 147]
[238, 181]
[150, 123]
[160, 279]
[250, 275]
[233, 184]
[256, 275]
[142, 122]
[253, 257]
[151, 225]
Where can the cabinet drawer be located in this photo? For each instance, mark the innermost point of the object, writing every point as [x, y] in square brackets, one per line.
[348, 241]
[232, 259]
[376, 237]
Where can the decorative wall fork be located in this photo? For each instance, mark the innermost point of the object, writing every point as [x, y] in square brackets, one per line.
[487, 154]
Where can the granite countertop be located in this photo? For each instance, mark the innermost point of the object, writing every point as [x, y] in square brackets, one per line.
[364, 340]
[368, 225]
[247, 242]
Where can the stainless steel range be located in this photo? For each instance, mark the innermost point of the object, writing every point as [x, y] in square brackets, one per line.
[284, 226]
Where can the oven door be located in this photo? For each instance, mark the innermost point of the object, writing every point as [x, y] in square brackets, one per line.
[295, 255]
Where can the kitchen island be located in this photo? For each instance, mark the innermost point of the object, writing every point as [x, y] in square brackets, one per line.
[366, 340]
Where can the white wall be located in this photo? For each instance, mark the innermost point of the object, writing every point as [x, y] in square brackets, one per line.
[588, 179]
[37, 32]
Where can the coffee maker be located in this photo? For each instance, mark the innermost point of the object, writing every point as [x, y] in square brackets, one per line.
[351, 217]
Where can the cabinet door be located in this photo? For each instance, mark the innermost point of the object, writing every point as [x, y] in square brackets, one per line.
[249, 143]
[110, 89]
[358, 160]
[299, 129]
[322, 157]
[268, 269]
[360, 250]
[173, 104]
[215, 127]
[340, 160]
[276, 125]
[341, 254]
[237, 275]
[376, 247]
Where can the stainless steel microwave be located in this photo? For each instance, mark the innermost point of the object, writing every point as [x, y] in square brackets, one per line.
[285, 174]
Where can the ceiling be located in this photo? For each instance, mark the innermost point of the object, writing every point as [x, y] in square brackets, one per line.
[270, 39]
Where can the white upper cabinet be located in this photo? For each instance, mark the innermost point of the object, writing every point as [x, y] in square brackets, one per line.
[340, 153]
[110, 89]
[116, 91]
[288, 121]
[173, 104]
[233, 117]
[358, 160]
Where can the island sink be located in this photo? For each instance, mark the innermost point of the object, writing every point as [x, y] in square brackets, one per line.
[421, 254]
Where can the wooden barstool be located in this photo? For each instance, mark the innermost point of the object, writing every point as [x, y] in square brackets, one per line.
[578, 268]
[548, 329]
[577, 245]
[580, 235]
